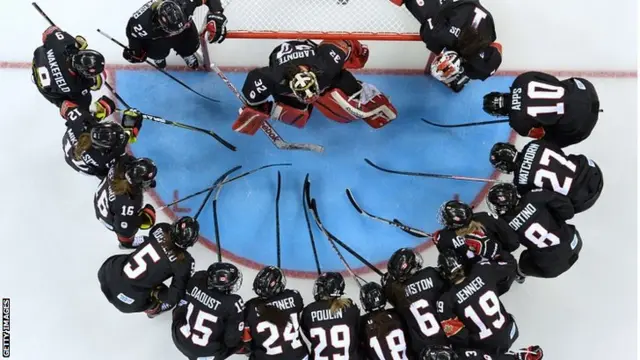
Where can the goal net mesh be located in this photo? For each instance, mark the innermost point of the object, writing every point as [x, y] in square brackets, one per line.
[316, 19]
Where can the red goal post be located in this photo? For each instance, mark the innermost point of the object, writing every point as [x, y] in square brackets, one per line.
[367, 20]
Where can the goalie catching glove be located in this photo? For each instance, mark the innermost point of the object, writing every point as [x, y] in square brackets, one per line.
[216, 29]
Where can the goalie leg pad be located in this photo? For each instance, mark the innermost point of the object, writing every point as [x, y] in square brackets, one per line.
[250, 120]
[368, 104]
[291, 115]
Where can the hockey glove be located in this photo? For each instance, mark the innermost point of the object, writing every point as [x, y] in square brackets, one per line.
[104, 107]
[533, 352]
[134, 56]
[81, 42]
[147, 216]
[216, 30]
[132, 123]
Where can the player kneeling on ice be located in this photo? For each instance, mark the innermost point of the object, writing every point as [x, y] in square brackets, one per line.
[272, 330]
[118, 202]
[542, 107]
[209, 322]
[413, 292]
[533, 352]
[161, 25]
[539, 219]
[91, 144]
[302, 75]
[134, 283]
[64, 69]
[470, 312]
[462, 35]
[382, 332]
[541, 164]
[331, 322]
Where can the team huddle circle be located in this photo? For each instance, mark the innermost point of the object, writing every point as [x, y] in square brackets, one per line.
[328, 210]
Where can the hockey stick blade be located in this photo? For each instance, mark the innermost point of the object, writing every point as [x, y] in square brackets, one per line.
[279, 186]
[429, 175]
[305, 209]
[215, 185]
[466, 124]
[353, 201]
[254, 171]
[281, 144]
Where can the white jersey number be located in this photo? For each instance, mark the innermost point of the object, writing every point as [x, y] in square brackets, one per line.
[140, 262]
[291, 334]
[541, 236]
[339, 338]
[395, 342]
[490, 306]
[538, 90]
[199, 326]
[425, 319]
[543, 174]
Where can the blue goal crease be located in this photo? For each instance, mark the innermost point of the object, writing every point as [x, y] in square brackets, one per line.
[189, 161]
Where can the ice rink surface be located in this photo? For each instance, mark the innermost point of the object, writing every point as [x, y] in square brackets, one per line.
[52, 245]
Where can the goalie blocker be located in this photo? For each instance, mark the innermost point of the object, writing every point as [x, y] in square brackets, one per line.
[302, 75]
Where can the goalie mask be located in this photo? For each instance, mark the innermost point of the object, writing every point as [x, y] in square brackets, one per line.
[304, 86]
[447, 66]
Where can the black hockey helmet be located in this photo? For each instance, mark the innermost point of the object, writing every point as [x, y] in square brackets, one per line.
[107, 136]
[141, 172]
[269, 282]
[503, 157]
[224, 277]
[502, 197]
[438, 352]
[451, 265]
[403, 264]
[304, 84]
[455, 214]
[372, 297]
[329, 285]
[88, 63]
[185, 232]
[495, 103]
[170, 16]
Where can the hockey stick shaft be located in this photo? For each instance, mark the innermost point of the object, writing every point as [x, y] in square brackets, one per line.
[113, 91]
[437, 176]
[266, 128]
[216, 227]
[395, 222]
[159, 69]
[311, 203]
[305, 209]
[37, 7]
[224, 182]
[216, 184]
[466, 124]
[278, 218]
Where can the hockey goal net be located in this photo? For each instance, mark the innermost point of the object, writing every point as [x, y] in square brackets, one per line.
[316, 19]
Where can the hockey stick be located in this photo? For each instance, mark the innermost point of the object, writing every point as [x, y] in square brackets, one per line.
[43, 14]
[467, 124]
[273, 135]
[395, 222]
[222, 183]
[218, 183]
[216, 228]
[187, 127]
[278, 218]
[439, 176]
[305, 209]
[311, 203]
[159, 69]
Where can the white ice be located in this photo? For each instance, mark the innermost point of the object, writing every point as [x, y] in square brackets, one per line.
[52, 245]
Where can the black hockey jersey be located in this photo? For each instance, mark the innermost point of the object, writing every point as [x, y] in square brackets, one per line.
[567, 110]
[541, 164]
[149, 266]
[51, 70]
[471, 313]
[118, 212]
[383, 335]
[143, 27]
[539, 219]
[443, 31]
[415, 301]
[92, 161]
[326, 60]
[488, 243]
[332, 334]
[207, 322]
[270, 341]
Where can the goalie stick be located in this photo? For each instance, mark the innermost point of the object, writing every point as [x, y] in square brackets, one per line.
[395, 222]
[273, 135]
[438, 176]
